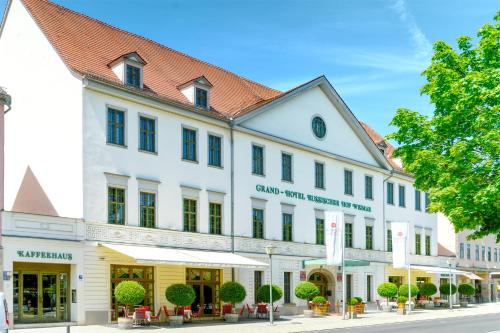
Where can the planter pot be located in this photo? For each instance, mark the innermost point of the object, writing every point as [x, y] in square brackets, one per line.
[401, 309]
[360, 308]
[276, 315]
[308, 313]
[289, 309]
[125, 323]
[176, 321]
[353, 315]
[320, 309]
[463, 304]
[231, 317]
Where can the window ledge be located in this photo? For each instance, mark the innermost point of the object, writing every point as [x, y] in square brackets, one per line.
[259, 175]
[190, 161]
[220, 167]
[148, 152]
[116, 145]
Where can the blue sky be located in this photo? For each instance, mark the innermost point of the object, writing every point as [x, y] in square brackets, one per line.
[372, 51]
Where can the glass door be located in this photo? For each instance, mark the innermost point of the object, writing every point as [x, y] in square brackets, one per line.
[49, 297]
[30, 297]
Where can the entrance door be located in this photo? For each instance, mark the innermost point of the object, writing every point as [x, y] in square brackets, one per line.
[206, 284]
[29, 300]
[321, 282]
[49, 297]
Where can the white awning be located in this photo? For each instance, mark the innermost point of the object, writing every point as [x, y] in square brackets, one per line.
[163, 255]
[445, 270]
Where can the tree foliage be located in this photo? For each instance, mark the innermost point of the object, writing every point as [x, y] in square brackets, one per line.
[306, 290]
[428, 289]
[455, 153]
[466, 289]
[129, 293]
[232, 292]
[263, 293]
[180, 294]
[445, 289]
[387, 289]
[403, 290]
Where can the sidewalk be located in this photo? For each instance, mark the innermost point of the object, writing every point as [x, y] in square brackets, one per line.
[287, 324]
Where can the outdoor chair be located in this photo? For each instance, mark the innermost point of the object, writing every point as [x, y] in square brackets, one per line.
[215, 311]
[226, 308]
[251, 311]
[156, 317]
[166, 312]
[197, 314]
[140, 317]
[262, 310]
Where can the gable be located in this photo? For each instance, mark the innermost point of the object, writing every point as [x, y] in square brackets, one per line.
[292, 120]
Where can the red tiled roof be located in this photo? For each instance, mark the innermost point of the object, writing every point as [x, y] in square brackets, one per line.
[87, 46]
[389, 151]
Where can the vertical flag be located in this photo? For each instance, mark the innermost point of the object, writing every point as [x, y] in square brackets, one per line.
[334, 227]
[400, 244]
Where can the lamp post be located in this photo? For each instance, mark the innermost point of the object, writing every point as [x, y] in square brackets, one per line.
[449, 262]
[270, 249]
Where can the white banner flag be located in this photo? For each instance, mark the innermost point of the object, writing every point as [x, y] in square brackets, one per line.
[400, 242]
[334, 228]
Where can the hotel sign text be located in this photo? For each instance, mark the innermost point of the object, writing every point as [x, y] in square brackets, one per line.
[310, 197]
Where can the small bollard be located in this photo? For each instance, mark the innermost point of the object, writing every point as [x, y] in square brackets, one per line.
[68, 329]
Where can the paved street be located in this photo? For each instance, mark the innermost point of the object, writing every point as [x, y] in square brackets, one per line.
[474, 324]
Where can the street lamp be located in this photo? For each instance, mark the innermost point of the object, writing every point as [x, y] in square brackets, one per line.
[449, 262]
[270, 249]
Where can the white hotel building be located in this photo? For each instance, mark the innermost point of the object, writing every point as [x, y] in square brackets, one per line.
[125, 159]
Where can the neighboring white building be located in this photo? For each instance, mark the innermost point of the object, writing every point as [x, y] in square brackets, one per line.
[478, 256]
[128, 160]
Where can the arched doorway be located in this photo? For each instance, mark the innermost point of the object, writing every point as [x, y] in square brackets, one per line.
[321, 282]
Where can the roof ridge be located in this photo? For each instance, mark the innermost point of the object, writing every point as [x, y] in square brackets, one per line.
[157, 43]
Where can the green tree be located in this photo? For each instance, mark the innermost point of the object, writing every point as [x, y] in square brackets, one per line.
[232, 292]
[455, 153]
[306, 290]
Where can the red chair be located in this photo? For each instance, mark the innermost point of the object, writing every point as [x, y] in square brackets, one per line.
[156, 317]
[140, 317]
[215, 311]
[198, 314]
[180, 311]
[227, 308]
[166, 312]
[262, 310]
[251, 311]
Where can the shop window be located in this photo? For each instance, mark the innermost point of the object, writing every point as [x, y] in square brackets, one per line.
[206, 285]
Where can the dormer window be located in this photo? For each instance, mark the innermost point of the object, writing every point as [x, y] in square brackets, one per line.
[197, 92]
[129, 69]
[382, 146]
[133, 76]
[201, 98]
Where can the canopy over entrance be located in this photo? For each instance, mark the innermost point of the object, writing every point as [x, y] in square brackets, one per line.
[446, 270]
[170, 256]
[348, 262]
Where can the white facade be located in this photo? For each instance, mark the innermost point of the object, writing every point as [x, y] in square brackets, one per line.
[58, 129]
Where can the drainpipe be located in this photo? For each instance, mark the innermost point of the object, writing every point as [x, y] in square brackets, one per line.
[5, 101]
[383, 207]
[231, 125]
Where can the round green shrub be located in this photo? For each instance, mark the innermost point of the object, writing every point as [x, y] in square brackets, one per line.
[319, 299]
[232, 292]
[428, 289]
[466, 289]
[387, 290]
[403, 290]
[306, 290]
[129, 293]
[263, 293]
[180, 294]
[360, 300]
[402, 300]
[353, 301]
[445, 289]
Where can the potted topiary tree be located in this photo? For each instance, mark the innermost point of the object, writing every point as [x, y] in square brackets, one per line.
[351, 308]
[233, 293]
[179, 295]
[427, 290]
[128, 293]
[263, 295]
[401, 300]
[307, 291]
[444, 289]
[403, 291]
[387, 290]
[465, 290]
[360, 307]
[320, 305]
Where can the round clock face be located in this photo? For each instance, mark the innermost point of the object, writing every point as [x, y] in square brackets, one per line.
[319, 127]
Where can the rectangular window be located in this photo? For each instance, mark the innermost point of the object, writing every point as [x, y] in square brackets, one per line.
[389, 240]
[477, 252]
[427, 245]
[116, 205]
[462, 250]
[483, 253]
[369, 187]
[319, 175]
[258, 160]
[348, 235]
[201, 98]
[489, 253]
[287, 227]
[348, 182]
[116, 127]
[147, 209]
[189, 150]
[147, 134]
[369, 237]
[258, 223]
[215, 211]
[133, 76]
[401, 196]
[427, 202]
[369, 287]
[417, 200]
[287, 287]
[189, 210]
[257, 283]
[418, 244]
[320, 231]
[390, 193]
[214, 150]
[468, 251]
[286, 167]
